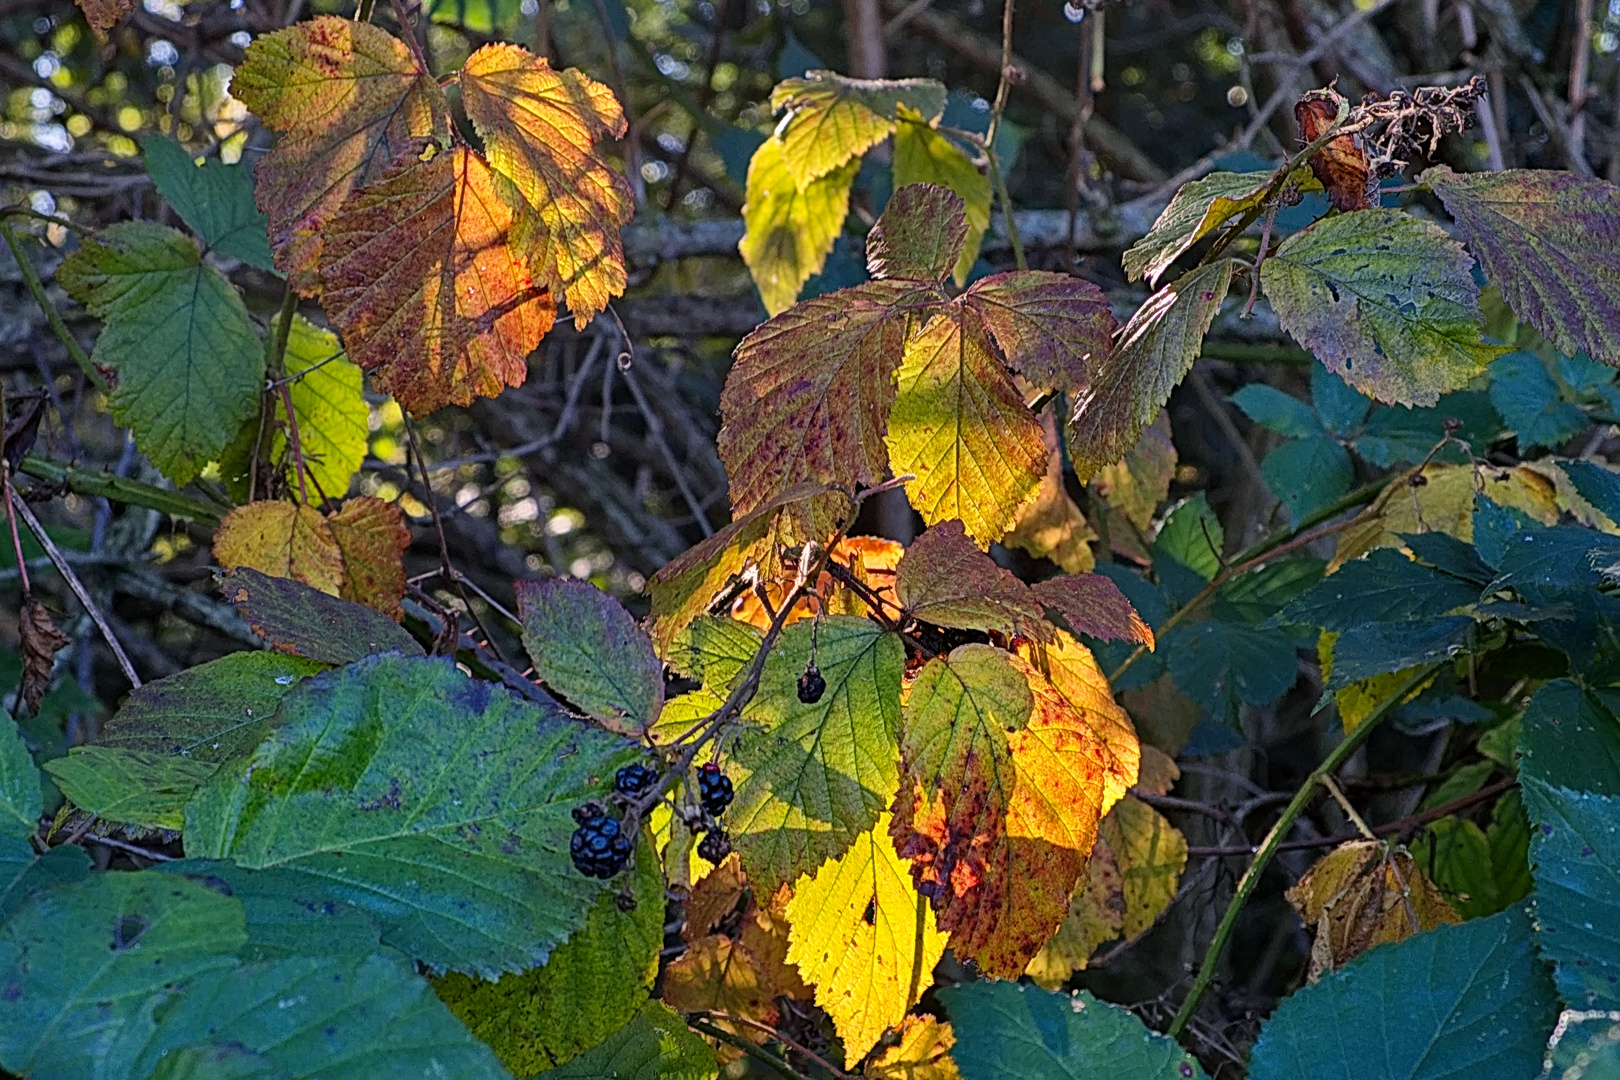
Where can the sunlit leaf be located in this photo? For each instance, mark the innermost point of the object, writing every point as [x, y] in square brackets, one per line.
[923, 1052]
[215, 200]
[281, 539]
[1152, 353]
[1140, 481]
[790, 230]
[1198, 209]
[424, 288]
[1343, 165]
[1384, 299]
[1551, 242]
[946, 580]
[587, 648]
[329, 407]
[187, 355]
[1053, 329]
[349, 100]
[920, 233]
[1444, 502]
[540, 128]
[1093, 605]
[924, 156]
[863, 937]
[832, 119]
[1051, 526]
[373, 539]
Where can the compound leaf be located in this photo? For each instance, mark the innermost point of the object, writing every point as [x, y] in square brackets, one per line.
[425, 289]
[349, 99]
[539, 128]
[1383, 299]
[944, 579]
[1198, 209]
[587, 648]
[1551, 242]
[790, 229]
[188, 358]
[214, 199]
[831, 120]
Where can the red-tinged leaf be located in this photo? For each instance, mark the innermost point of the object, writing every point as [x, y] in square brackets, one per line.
[349, 99]
[103, 15]
[1551, 242]
[945, 579]
[960, 426]
[1072, 670]
[425, 290]
[919, 236]
[300, 621]
[1092, 604]
[1155, 350]
[587, 648]
[1053, 329]
[540, 128]
[281, 539]
[809, 393]
[373, 539]
[1342, 165]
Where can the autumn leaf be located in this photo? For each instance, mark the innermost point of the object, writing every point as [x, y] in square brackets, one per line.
[349, 100]
[372, 538]
[1342, 165]
[1551, 242]
[1365, 893]
[281, 539]
[924, 156]
[1440, 498]
[946, 580]
[1051, 526]
[1385, 300]
[103, 15]
[863, 937]
[870, 560]
[40, 643]
[922, 1052]
[1072, 671]
[1135, 485]
[424, 288]
[1093, 605]
[1152, 353]
[788, 230]
[920, 234]
[1199, 208]
[832, 119]
[540, 127]
[1053, 329]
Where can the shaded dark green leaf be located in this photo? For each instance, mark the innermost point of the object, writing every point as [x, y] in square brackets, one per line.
[1383, 587]
[1308, 474]
[1530, 403]
[1276, 411]
[1379, 648]
[302, 621]
[1575, 858]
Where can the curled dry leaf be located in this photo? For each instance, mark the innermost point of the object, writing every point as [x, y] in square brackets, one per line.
[1343, 165]
[41, 641]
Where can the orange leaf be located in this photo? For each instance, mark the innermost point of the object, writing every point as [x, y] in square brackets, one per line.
[1342, 165]
[540, 127]
[281, 539]
[373, 538]
[421, 283]
[349, 99]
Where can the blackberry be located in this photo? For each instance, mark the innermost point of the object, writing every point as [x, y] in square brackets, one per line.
[632, 780]
[811, 685]
[714, 789]
[715, 846]
[588, 812]
[599, 849]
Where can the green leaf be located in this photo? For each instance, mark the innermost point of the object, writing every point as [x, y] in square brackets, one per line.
[721, 650]
[1597, 485]
[1198, 209]
[20, 800]
[1006, 1030]
[1383, 587]
[1563, 555]
[1393, 436]
[23, 873]
[1570, 736]
[215, 1061]
[1341, 406]
[213, 198]
[1220, 663]
[129, 786]
[960, 426]
[288, 913]
[329, 405]
[1575, 857]
[831, 120]
[920, 234]
[1454, 1003]
[397, 781]
[1308, 474]
[1192, 535]
[1383, 299]
[587, 648]
[1529, 401]
[1551, 242]
[1457, 855]
[303, 621]
[189, 362]
[1276, 411]
[655, 1045]
[209, 713]
[591, 987]
[1152, 354]
[810, 778]
[924, 156]
[1379, 648]
[790, 230]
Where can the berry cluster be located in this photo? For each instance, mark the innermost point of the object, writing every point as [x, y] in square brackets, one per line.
[632, 780]
[599, 848]
[714, 789]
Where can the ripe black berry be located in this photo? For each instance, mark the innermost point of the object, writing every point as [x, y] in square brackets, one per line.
[632, 780]
[588, 812]
[599, 849]
[714, 789]
[811, 685]
[714, 846]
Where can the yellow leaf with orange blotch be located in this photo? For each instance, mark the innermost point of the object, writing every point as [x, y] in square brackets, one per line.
[349, 99]
[424, 288]
[923, 1053]
[540, 128]
[1004, 781]
[1365, 893]
[372, 536]
[870, 560]
[281, 539]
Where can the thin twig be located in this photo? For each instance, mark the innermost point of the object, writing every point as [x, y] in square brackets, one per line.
[58, 327]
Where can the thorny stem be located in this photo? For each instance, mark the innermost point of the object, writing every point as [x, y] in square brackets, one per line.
[293, 442]
[31, 279]
[119, 489]
[758, 1053]
[1274, 838]
[791, 1044]
[1005, 85]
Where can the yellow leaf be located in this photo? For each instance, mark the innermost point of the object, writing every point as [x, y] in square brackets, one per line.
[1096, 916]
[962, 428]
[864, 938]
[328, 406]
[540, 128]
[831, 120]
[790, 230]
[282, 539]
[348, 99]
[372, 535]
[1051, 526]
[1357, 701]
[924, 156]
[1441, 499]
[923, 1053]
[1141, 480]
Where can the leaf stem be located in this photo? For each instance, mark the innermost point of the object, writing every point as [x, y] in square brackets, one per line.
[31, 279]
[1004, 86]
[758, 1053]
[119, 489]
[1006, 205]
[1274, 838]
